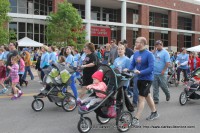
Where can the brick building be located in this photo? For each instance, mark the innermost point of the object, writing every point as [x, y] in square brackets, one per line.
[175, 22]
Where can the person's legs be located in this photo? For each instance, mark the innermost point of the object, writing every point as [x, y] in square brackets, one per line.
[185, 75]
[178, 74]
[140, 108]
[150, 103]
[25, 73]
[135, 91]
[156, 88]
[73, 87]
[30, 72]
[20, 79]
[164, 86]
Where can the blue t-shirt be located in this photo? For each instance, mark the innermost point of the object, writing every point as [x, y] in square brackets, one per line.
[183, 58]
[82, 58]
[1, 56]
[144, 62]
[44, 60]
[121, 63]
[53, 57]
[69, 59]
[161, 58]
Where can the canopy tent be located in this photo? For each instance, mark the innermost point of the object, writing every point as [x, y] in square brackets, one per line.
[27, 42]
[194, 49]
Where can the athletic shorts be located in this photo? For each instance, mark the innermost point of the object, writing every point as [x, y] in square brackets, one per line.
[144, 87]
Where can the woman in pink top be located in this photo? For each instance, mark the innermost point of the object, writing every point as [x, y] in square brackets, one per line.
[15, 77]
[22, 70]
[97, 85]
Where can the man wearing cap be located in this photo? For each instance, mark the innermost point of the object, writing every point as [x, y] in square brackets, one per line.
[162, 61]
[182, 61]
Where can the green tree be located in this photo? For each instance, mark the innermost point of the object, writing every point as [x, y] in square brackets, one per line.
[4, 9]
[12, 36]
[65, 27]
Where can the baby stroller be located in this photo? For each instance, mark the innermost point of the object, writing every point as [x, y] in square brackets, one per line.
[172, 75]
[57, 78]
[110, 107]
[191, 91]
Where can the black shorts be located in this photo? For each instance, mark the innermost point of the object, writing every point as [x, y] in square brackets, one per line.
[144, 87]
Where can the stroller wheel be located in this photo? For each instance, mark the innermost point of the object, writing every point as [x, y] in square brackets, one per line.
[59, 104]
[37, 105]
[84, 125]
[183, 98]
[69, 103]
[123, 121]
[102, 120]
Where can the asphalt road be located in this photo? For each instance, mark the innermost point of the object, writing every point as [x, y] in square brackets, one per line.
[18, 116]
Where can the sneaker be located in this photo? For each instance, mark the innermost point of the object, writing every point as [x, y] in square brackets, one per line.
[153, 116]
[14, 98]
[78, 102]
[42, 89]
[84, 108]
[3, 91]
[156, 102]
[26, 82]
[135, 122]
[129, 96]
[167, 98]
[20, 94]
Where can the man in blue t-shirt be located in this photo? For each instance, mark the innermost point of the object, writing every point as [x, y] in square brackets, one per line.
[143, 63]
[162, 61]
[182, 61]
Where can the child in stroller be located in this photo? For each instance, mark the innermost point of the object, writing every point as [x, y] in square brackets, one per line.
[97, 85]
[112, 106]
[190, 92]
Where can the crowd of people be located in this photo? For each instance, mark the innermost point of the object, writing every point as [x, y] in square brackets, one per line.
[150, 68]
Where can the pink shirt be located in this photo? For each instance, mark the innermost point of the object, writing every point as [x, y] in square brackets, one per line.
[22, 65]
[14, 71]
[99, 86]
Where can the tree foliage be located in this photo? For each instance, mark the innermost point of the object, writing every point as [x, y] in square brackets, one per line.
[4, 9]
[65, 26]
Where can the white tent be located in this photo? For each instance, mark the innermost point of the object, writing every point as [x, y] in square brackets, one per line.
[27, 42]
[194, 49]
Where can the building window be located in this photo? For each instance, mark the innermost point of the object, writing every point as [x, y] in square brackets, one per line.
[109, 15]
[152, 19]
[187, 41]
[81, 10]
[13, 26]
[37, 7]
[95, 13]
[184, 23]
[164, 20]
[13, 6]
[30, 30]
[188, 24]
[151, 40]
[135, 35]
[164, 38]
[135, 15]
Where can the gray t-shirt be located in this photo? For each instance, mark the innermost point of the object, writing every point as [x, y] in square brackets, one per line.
[113, 54]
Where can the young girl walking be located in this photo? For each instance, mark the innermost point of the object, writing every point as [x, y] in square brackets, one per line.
[14, 69]
[2, 77]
